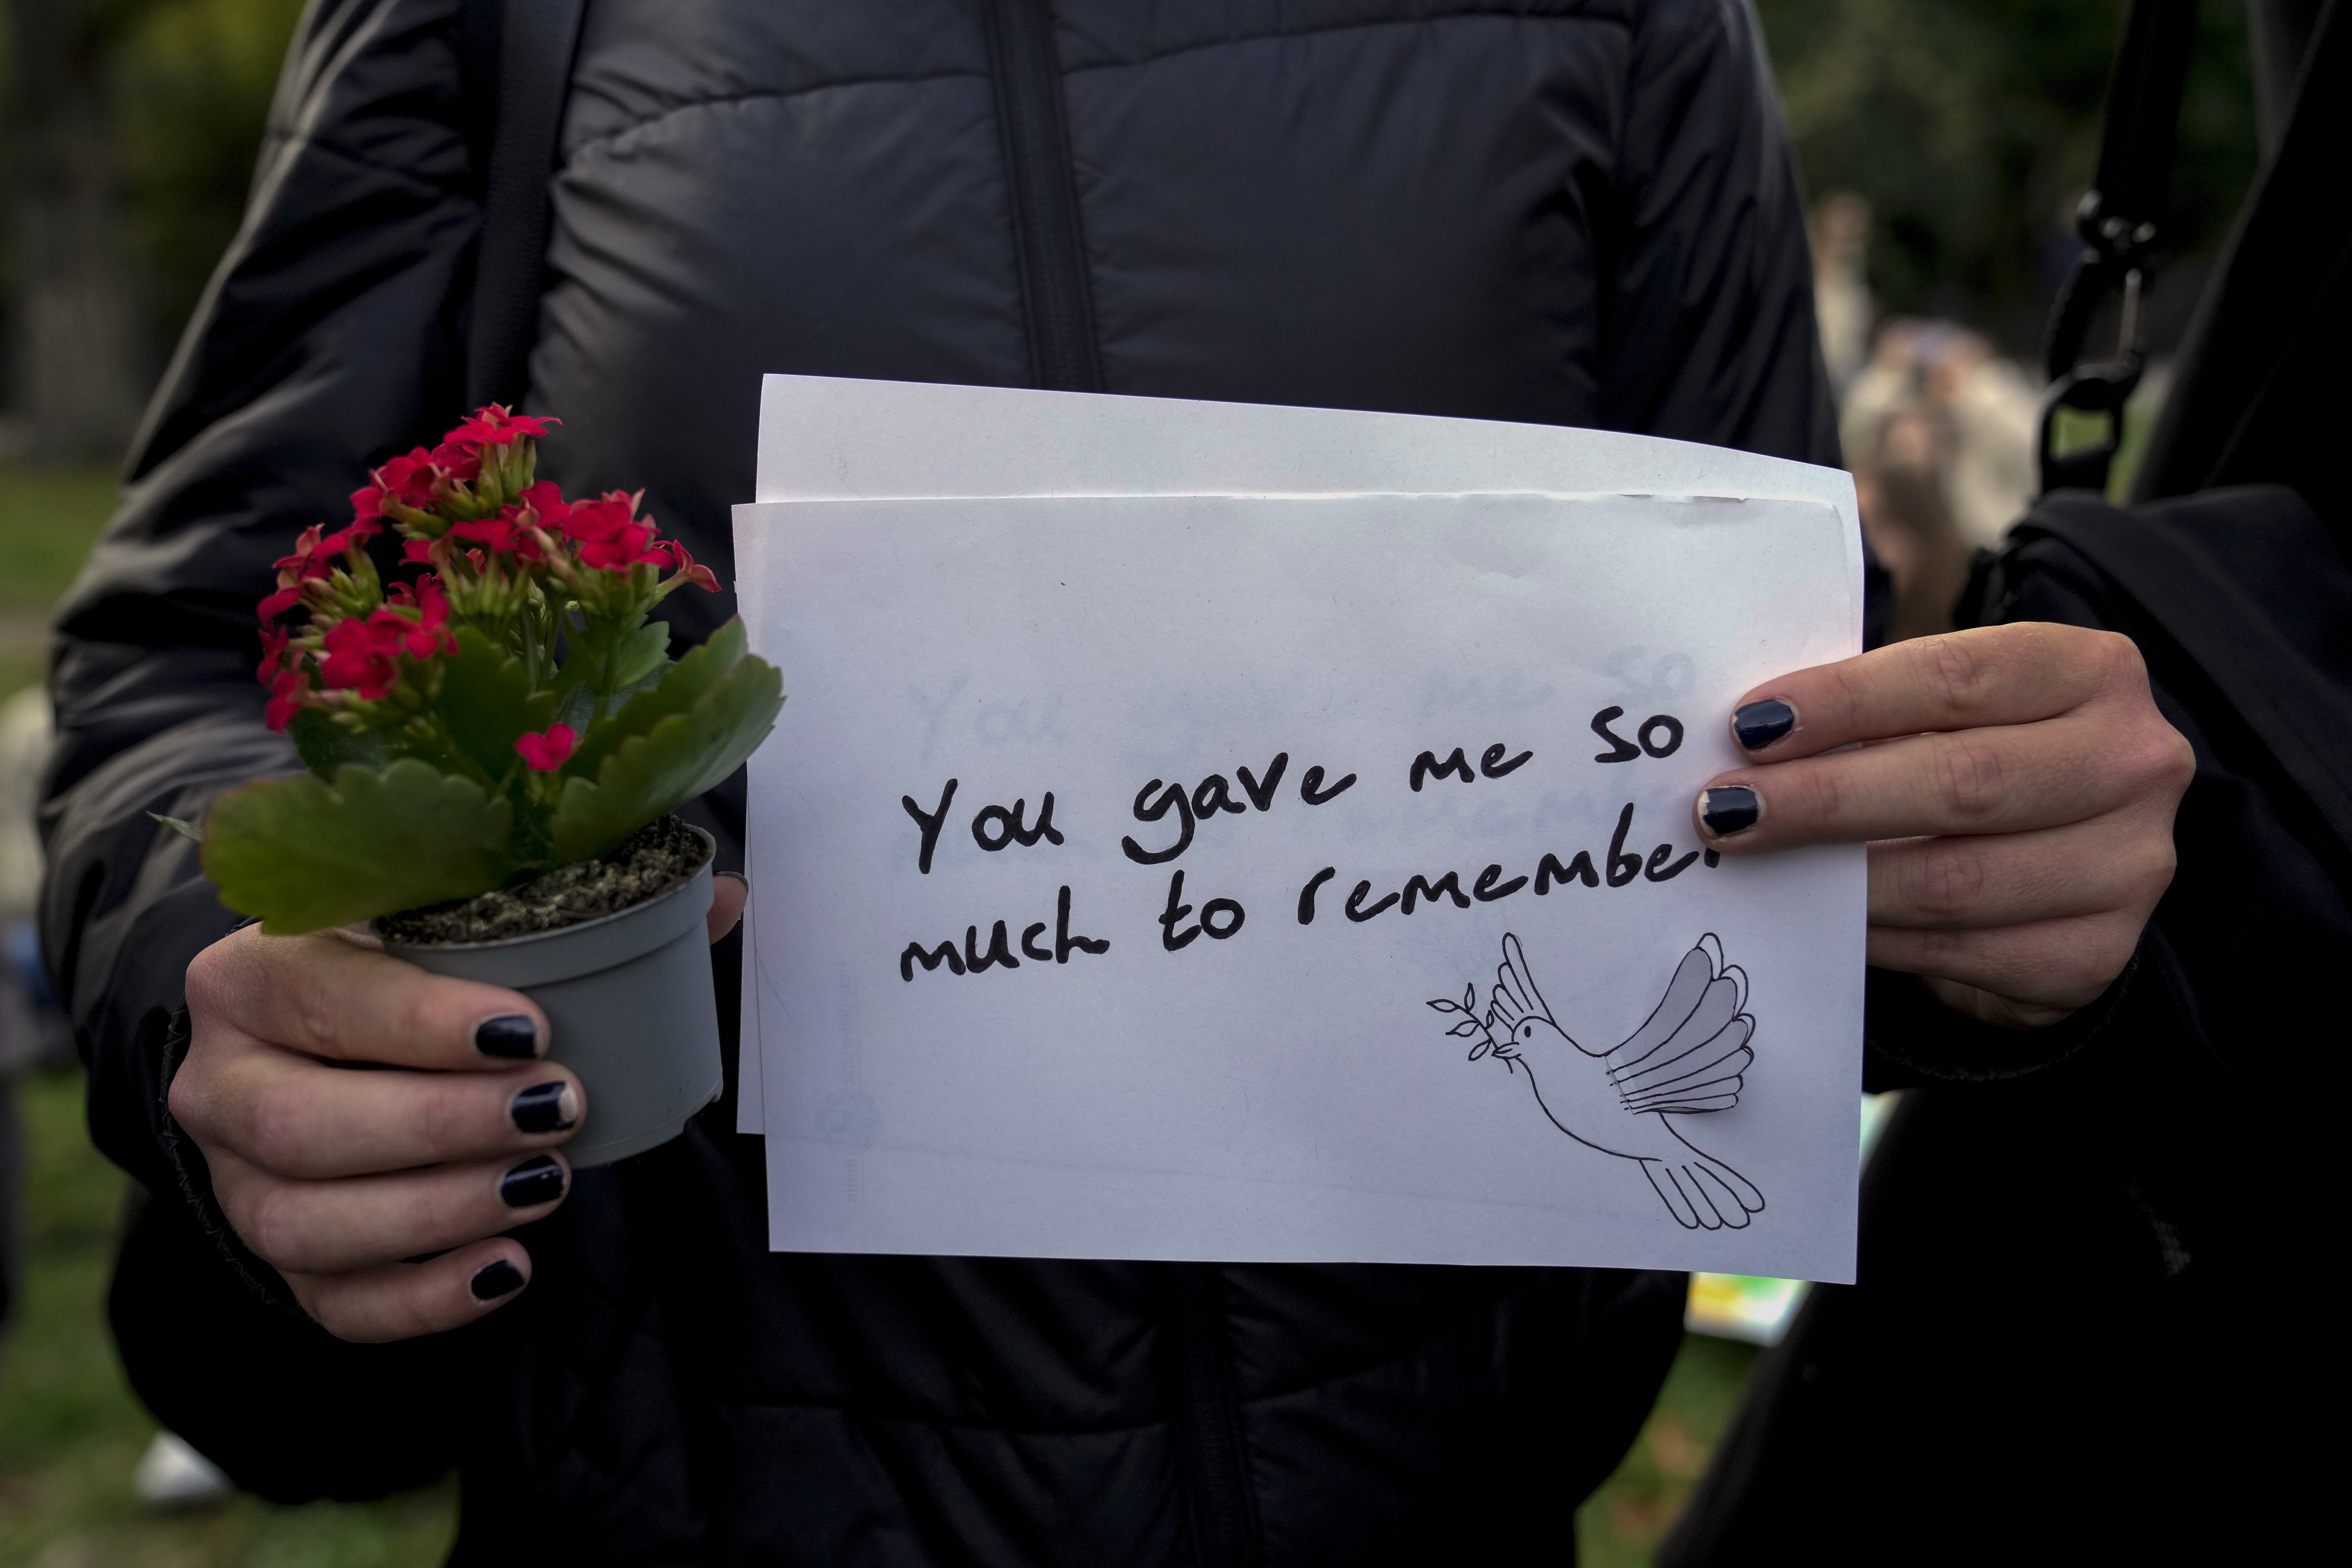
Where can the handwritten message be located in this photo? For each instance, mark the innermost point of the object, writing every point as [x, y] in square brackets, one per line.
[1289, 879]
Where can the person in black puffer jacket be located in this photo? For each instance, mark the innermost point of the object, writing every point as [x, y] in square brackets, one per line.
[1575, 212]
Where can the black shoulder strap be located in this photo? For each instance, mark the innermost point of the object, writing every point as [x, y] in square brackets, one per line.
[2121, 220]
[2258, 391]
[2244, 580]
[533, 42]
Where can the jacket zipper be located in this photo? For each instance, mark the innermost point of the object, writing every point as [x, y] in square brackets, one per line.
[1047, 240]
[1059, 312]
[1209, 1436]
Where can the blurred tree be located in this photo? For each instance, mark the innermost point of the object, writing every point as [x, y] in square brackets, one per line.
[196, 82]
[131, 140]
[75, 318]
[1972, 125]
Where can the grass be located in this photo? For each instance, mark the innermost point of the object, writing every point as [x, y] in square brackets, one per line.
[47, 519]
[1625, 1520]
[72, 1431]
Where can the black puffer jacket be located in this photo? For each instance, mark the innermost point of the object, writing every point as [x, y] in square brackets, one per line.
[1565, 210]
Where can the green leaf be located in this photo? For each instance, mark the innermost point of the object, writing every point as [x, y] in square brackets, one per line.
[328, 747]
[487, 703]
[640, 662]
[678, 690]
[643, 655]
[674, 761]
[180, 825]
[302, 853]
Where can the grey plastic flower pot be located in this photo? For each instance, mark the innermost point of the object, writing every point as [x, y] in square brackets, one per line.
[629, 1008]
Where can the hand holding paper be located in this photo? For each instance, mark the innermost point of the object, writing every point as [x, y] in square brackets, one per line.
[2022, 790]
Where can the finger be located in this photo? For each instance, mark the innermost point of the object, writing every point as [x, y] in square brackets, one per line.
[2002, 780]
[310, 1120]
[2052, 965]
[402, 1300]
[365, 1222]
[728, 893]
[1962, 681]
[1959, 883]
[329, 998]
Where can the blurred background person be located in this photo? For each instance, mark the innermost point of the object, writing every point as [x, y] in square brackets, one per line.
[1993, 410]
[1843, 303]
[1909, 523]
[1988, 406]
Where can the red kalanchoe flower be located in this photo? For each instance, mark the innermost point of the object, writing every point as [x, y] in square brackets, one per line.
[610, 535]
[500, 534]
[363, 656]
[463, 464]
[313, 561]
[410, 481]
[304, 562]
[293, 571]
[352, 536]
[273, 653]
[491, 533]
[545, 753]
[541, 502]
[285, 699]
[702, 577]
[432, 634]
[498, 426]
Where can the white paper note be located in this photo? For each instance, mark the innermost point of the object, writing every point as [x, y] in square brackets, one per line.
[1230, 1082]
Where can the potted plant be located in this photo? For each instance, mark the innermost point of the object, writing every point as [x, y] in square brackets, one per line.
[493, 748]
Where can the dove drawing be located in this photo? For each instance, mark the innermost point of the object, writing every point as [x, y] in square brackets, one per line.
[1687, 1060]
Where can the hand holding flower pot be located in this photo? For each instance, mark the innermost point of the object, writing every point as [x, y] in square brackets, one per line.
[493, 747]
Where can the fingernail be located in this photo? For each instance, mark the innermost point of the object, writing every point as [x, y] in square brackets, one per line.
[500, 1279]
[538, 1181]
[734, 877]
[512, 1037]
[543, 1108]
[1728, 809]
[1757, 725]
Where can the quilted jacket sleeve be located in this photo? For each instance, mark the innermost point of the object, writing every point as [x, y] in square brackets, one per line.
[327, 339]
[1708, 328]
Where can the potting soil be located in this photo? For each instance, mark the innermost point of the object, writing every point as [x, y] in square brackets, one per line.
[656, 858]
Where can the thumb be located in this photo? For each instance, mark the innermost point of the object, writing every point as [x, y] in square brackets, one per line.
[729, 892]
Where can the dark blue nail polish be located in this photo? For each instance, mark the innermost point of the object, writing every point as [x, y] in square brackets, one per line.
[511, 1036]
[1757, 725]
[1728, 809]
[540, 1107]
[538, 1181]
[500, 1279]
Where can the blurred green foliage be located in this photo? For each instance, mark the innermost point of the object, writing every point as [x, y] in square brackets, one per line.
[191, 82]
[195, 85]
[72, 1431]
[48, 519]
[1623, 1523]
[1973, 125]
